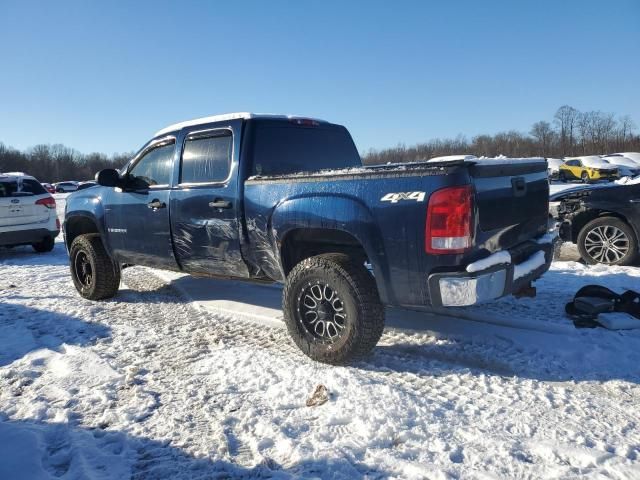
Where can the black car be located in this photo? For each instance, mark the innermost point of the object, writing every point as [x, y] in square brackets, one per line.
[603, 220]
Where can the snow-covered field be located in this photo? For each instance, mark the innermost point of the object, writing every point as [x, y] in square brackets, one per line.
[193, 378]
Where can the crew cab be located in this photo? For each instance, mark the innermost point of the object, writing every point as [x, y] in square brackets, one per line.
[286, 199]
[27, 213]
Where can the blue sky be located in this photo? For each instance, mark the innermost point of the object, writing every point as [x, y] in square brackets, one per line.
[103, 76]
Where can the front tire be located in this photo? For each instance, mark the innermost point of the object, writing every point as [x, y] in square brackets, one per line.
[94, 274]
[562, 177]
[607, 240]
[584, 177]
[332, 309]
[46, 245]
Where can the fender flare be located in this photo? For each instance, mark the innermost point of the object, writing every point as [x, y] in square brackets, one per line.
[87, 208]
[334, 212]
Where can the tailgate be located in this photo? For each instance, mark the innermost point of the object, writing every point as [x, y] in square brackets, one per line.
[15, 211]
[512, 199]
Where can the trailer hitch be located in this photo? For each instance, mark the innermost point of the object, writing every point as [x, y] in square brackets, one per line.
[527, 291]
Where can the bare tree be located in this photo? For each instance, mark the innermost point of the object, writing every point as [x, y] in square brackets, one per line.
[596, 131]
[566, 118]
[544, 134]
[576, 133]
[53, 163]
[625, 127]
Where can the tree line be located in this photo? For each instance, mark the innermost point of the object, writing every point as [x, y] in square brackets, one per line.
[570, 133]
[55, 163]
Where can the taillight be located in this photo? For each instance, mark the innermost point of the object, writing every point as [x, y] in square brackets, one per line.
[48, 202]
[449, 217]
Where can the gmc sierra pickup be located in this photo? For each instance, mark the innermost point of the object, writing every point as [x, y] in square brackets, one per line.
[286, 199]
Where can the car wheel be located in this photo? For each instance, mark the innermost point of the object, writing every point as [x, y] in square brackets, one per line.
[584, 177]
[94, 275]
[44, 246]
[562, 177]
[607, 240]
[332, 309]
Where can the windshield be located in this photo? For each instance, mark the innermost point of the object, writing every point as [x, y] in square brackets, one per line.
[20, 188]
[623, 161]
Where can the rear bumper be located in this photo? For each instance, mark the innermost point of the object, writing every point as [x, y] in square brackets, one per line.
[457, 289]
[26, 237]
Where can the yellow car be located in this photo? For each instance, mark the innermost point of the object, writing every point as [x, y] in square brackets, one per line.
[587, 169]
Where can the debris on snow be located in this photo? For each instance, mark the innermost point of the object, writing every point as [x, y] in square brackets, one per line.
[319, 396]
[618, 321]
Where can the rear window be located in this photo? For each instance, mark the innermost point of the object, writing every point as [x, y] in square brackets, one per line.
[20, 188]
[282, 148]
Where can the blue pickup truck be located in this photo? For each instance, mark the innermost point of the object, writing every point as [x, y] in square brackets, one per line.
[286, 199]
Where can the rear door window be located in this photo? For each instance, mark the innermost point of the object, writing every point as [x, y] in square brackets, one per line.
[21, 188]
[206, 158]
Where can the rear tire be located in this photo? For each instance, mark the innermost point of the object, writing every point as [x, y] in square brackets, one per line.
[94, 275]
[46, 245]
[332, 309]
[607, 240]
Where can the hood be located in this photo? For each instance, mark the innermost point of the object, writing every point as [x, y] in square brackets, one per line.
[600, 166]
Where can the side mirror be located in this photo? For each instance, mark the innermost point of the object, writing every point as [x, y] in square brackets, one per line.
[108, 177]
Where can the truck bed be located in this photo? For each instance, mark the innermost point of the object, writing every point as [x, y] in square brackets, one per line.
[375, 204]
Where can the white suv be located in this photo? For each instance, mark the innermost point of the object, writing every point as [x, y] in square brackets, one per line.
[65, 187]
[27, 213]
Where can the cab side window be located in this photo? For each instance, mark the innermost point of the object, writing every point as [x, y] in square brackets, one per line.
[207, 159]
[154, 167]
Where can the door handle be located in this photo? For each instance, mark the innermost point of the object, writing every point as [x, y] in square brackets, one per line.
[220, 203]
[155, 204]
[519, 186]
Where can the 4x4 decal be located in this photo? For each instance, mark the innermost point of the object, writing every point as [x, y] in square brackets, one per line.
[396, 197]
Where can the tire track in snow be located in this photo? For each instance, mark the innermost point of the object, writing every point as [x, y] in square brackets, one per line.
[458, 406]
[430, 378]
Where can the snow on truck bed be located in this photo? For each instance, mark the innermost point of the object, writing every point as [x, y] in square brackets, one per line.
[150, 385]
[501, 160]
[409, 168]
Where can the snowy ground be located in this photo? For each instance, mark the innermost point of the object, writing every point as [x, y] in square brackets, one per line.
[194, 378]
[150, 385]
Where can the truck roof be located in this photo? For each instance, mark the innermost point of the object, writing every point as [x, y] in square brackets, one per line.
[230, 116]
